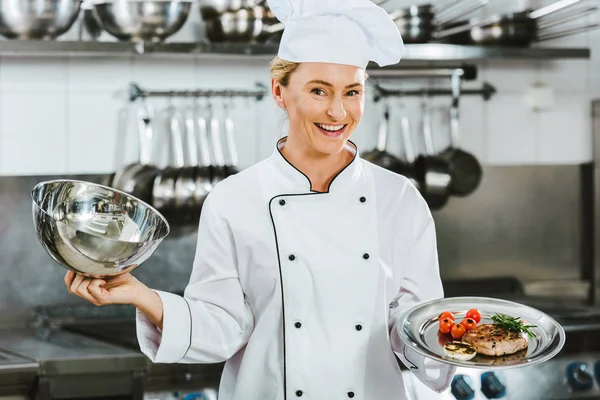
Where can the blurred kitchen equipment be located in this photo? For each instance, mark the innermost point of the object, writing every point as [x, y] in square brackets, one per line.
[380, 156]
[143, 20]
[220, 168]
[244, 25]
[418, 23]
[89, 23]
[95, 230]
[136, 179]
[214, 8]
[407, 168]
[517, 29]
[165, 192]
[199, 154]
[37, 19]
[433, 171]
[178, 191]
[465, 169]
[233, 160]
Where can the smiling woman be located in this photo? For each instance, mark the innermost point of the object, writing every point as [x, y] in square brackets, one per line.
[324, 103]
[306, 260]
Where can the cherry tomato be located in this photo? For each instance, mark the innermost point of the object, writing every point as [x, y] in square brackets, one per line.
[469, 323]
[446, 314]
[446, 325]
[474, 314]
[457, 331]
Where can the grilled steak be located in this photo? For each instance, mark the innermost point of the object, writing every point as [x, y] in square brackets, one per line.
[492, 340]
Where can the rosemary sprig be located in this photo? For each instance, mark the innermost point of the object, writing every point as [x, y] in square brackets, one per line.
[513, 324]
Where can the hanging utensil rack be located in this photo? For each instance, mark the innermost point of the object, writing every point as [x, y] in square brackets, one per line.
[486, 91]
[136, 92]
[456, 76]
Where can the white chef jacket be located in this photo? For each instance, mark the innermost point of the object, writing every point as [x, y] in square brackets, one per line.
[300, 291]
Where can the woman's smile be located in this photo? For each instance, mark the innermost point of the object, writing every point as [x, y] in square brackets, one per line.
[330, 130]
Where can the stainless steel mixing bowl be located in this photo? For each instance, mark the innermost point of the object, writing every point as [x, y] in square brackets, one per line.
[143, 20]
[93, 229]
[37, 19]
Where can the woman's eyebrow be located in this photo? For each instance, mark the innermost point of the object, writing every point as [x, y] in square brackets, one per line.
[325, 83]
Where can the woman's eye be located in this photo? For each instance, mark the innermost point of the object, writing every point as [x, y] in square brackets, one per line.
[318, 92]
[353, 93]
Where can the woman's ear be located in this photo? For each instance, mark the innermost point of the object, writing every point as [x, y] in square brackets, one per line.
[277, 91]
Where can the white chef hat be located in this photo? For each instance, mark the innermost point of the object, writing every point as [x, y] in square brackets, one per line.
[351, 32]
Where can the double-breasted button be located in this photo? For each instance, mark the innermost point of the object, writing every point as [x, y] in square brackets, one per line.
[282, 202]
[291, 257]
[298, 393]
[363, 199]
[351, 394]
[358, 327]
[298, 324]
[366, 256]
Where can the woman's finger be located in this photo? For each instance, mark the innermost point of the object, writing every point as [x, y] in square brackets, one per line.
[76, 282]
[69, 276]
[97, 291]
[83, 291]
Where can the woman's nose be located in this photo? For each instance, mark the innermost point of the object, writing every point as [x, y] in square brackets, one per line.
[336, 110]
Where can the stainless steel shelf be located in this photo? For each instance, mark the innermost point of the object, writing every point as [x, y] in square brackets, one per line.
[413, 53]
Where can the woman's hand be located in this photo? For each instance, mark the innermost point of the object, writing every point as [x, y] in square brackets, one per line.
[120, 289]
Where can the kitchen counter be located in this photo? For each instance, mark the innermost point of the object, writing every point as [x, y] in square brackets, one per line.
[68, 365]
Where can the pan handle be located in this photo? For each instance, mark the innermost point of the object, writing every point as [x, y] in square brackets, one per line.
[383, 129]
[203, 139]
[215, 137]
[545, 24]
[409, 151]
[568, 32]
[461, 14]
[190, 137]
[454, 110]
[145, 132]
[427, 134]
[177, 153]
[552, 8]
[230, 135]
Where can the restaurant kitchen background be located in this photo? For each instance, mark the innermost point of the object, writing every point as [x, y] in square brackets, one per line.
[72, 107]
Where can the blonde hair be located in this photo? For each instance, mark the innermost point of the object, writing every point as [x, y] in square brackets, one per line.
[282, 70]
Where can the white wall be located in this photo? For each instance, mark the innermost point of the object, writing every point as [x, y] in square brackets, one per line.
[58, 115]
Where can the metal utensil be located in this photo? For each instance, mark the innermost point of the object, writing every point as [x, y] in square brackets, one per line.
[516, 29]
[95, 230]
[465, 169]
[407, 168]
[380, 156]
[136, 178]
[143, 20]
[418, 23]
[244, 25]
[233, 161]
[37, 19]
[199, 155]
[220, 170]
[214, 8]
[433, 171]
[163, 190]
[89, 23]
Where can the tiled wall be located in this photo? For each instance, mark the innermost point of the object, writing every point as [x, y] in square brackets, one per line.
[58, 115]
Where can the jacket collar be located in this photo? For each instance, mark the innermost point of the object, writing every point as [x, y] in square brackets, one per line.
[300, 181]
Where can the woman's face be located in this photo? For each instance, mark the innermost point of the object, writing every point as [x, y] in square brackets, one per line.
[324, 103]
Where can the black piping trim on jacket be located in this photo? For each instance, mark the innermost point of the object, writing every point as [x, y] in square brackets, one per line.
[191, 325]
[312, 192]
[307, 178]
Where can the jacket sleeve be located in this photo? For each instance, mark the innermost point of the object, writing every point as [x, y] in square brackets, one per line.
[212, 321]
[420, 283]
